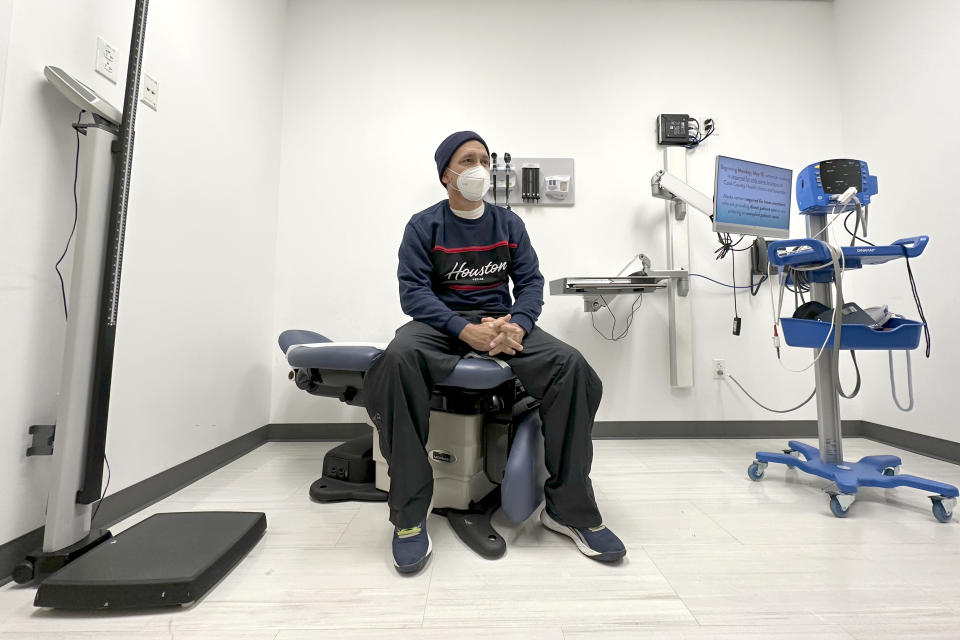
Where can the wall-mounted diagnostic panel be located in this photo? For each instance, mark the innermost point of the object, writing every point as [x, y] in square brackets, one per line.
[531, 182]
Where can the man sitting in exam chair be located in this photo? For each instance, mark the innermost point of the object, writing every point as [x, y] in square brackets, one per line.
[455, 260]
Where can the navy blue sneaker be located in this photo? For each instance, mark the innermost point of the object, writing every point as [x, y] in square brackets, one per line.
[411, 548]
[598, 543]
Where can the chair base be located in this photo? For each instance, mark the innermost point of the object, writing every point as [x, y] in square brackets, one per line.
[326, 489]
[456, 449]
[473, 526]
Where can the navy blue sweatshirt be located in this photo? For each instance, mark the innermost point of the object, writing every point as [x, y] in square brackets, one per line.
[450, 264]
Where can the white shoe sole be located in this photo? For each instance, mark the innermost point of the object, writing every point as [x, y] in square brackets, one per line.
[420, 564]
[582, 545]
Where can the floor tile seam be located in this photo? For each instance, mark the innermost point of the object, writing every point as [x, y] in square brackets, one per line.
[670, 584]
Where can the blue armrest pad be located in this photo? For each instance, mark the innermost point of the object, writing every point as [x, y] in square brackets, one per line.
[333, 356]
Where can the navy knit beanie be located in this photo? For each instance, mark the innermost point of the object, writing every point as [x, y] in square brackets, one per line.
[449, 145]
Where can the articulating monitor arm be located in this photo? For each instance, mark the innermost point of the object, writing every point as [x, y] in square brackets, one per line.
[669, 187]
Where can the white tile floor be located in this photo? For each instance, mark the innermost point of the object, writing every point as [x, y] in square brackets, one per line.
[711, 555]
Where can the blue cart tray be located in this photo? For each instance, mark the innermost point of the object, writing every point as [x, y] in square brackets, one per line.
[896, 334]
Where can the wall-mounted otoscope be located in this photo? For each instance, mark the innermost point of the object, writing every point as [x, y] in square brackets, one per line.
[506, 166]
[493, 175]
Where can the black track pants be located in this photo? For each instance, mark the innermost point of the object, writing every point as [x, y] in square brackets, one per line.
[398, 386]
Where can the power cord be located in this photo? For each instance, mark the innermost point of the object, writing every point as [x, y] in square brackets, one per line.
[76, 215]
[722, 284]
[763, 406]
[633, 310]
[105, 489]
[63, 289]
[708, 128]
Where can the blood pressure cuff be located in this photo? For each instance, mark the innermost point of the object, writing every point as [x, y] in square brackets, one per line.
[812, 310]
[851, 313]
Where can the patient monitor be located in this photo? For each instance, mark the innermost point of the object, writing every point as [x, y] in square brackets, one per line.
[749, 198]
[752, 198]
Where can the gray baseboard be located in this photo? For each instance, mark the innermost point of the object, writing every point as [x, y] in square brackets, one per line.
[705, 429]
[946, 450]
[316, 432]
[124, 503]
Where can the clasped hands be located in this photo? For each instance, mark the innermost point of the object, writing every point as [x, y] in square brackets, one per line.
[495, 336]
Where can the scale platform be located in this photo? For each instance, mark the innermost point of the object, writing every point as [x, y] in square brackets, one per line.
[169, 559]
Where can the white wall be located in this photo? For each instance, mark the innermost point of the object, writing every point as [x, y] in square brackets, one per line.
[899, 107]
[6, 11]
[373, 87]
[192, 366]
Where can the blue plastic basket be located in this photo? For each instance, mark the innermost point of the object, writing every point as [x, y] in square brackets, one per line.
[896, 334]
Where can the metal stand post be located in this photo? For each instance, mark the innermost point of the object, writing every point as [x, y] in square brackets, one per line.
[828, 396]
[678, 258]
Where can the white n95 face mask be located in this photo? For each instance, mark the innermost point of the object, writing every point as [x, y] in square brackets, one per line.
[473, 183]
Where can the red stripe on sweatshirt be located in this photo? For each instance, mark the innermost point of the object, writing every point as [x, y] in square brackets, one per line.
[504, 243]
[474, 287]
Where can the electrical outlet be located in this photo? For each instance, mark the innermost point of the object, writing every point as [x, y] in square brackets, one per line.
[107, 60]
[719, 368]
[149, 91]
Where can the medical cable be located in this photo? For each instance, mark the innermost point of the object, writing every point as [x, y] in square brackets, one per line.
[76, 215]
[763, 406]
[856, 227]
[838, 262]
[755, 288]
[835, 262]
[733, 275]
[893, 382]
[722, 284]
[856, 388]
[916, 299]
[727, 245]
[836, 216]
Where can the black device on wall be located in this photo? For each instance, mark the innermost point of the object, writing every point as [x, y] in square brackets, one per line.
[673, 129]
[758, 257]
[759, 264]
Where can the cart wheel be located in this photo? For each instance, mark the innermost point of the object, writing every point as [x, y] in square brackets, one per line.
[754, 472]
[24, 572]
[795, 454]
[837, 508]
[940, 512]
[890, 471]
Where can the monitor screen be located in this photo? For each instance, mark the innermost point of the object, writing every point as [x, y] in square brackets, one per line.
[752, 198]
